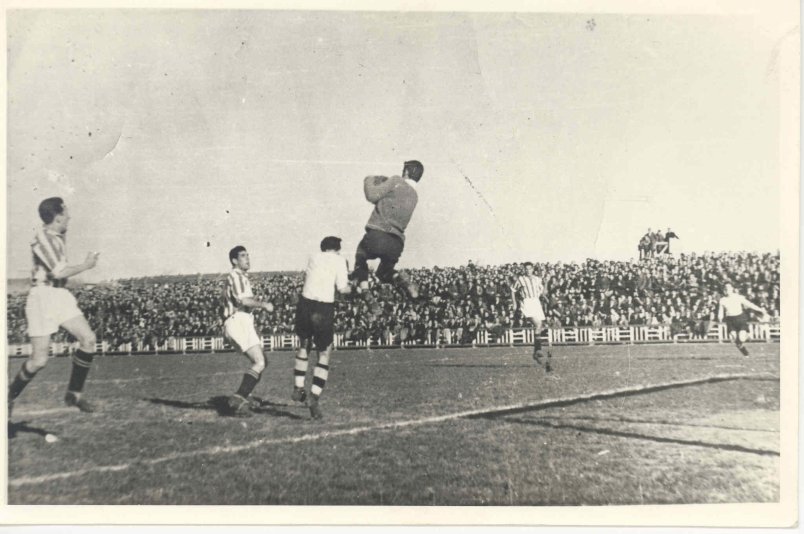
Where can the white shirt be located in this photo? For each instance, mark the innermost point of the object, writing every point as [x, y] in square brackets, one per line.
[325, 272]
[733, 304]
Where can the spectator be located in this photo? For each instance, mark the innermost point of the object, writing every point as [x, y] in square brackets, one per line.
[464, 300]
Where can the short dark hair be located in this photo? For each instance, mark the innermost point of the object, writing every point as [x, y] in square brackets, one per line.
[235, 252]
[527, 263]
[50, 208]
[415, 170]
[330, 243]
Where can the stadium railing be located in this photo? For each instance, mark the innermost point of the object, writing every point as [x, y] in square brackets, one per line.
[759, 332]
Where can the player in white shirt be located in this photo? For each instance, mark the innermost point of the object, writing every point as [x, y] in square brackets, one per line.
[525, 293]
[238, 326]
[732, 309]
[326, 271]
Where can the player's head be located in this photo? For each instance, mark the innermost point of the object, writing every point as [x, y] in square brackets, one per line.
[238, 257]
[728, 289]
[529, 267]
[413, 169]
[53, 211]
[331, 243]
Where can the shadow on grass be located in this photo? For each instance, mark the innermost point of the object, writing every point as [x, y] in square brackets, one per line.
[635, 435]
[22, 426]
[220, 405]
[654, 422]
[483, 365]
[673, 358]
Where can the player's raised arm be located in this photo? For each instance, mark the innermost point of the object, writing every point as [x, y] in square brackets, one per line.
[342, 278]
[72, 270]
[376, 187]
[751, 306]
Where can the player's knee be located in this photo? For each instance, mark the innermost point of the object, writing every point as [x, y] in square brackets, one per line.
[388, 275]
[743, 336]
[37, 362]
[88, 341]
[259, 365]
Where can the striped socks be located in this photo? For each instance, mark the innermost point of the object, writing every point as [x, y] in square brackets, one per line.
[300, 369]
[320, 373]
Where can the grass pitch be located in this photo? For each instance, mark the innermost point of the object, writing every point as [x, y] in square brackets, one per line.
[481, 426]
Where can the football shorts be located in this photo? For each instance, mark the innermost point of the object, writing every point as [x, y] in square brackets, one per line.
[532, 309]
[314, 320]
[737, 323]
[47, 308]
[239, 329]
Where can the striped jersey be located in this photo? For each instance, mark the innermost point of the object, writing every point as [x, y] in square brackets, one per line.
[49, 258]
[528, 287]
[236, 288]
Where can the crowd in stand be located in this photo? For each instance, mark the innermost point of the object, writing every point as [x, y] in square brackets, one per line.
[678, 291]
[655, 243]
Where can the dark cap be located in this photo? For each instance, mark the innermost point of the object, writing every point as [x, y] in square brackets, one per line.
[330, 243]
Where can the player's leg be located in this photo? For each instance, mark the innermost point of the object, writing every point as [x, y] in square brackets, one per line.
[238, 403]
[82, 362]
[322, 320]
[320, 376]
[360, 274]
[302, 361]
[742, 337]
[35, 363]
[390, 250]
[304, 329]
[537, 341]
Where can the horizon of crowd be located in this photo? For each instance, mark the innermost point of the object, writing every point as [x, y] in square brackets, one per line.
[681, 292]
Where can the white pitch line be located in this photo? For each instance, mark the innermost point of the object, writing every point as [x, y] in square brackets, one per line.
[25, 481]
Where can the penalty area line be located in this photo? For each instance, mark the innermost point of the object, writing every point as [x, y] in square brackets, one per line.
[480, 412]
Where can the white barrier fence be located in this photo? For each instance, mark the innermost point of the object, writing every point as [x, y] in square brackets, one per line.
[440, 338]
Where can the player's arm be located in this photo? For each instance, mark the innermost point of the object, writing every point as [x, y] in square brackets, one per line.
[241, 290]
[342, 278]
[376, 187]
[58, 266]
[751, 306]
[251, 302]
[720, 311]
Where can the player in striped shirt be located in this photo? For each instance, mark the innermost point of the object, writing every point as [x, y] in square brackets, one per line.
[238, 326]
[50, 306]
[732, 309]
[525, 293]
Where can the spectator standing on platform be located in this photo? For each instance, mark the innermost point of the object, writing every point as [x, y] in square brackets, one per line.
[644, 246]
[667, 237]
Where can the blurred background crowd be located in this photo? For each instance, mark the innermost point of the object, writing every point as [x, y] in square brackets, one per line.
[678, 291]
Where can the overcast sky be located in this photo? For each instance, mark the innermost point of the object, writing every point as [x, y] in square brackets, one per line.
[175, 135]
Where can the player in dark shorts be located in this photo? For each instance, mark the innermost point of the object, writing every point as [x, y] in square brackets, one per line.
[394, 200]
[326, 271]
[732, 310]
